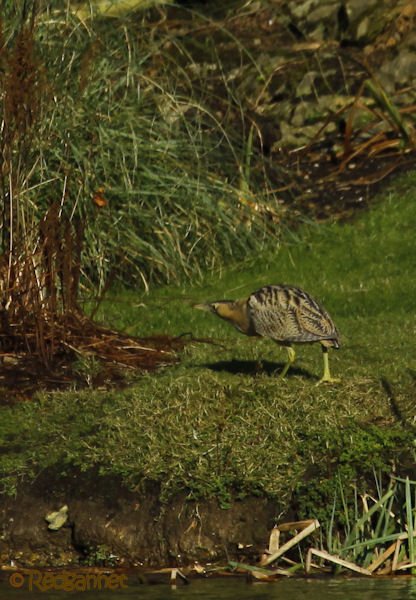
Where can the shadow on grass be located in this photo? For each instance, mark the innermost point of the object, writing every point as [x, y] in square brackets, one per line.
[253, 367]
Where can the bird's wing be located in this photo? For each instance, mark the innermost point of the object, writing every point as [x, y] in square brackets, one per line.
[268, 322]
[288, 314]
[314, 322]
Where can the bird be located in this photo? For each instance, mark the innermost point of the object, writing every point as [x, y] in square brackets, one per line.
[284, 313]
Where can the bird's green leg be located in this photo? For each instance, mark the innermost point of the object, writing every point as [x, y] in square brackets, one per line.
[326, 377]
[291, 355]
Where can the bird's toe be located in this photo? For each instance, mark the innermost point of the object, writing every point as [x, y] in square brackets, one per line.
[328, 380]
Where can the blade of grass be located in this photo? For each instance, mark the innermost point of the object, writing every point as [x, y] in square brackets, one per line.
[386, 104]
[410, 522]
[349, 545]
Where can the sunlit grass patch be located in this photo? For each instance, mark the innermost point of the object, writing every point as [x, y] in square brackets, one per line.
[221, 423]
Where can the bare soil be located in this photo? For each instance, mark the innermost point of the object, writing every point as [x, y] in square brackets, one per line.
[111, 526]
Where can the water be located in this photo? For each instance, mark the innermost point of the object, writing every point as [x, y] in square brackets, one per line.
[399, 588]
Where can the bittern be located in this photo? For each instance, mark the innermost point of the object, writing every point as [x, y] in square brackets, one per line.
[285, 314]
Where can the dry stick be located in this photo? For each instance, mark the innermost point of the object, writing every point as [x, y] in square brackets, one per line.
[382, 558]
[396, 555]
[292, 542]
[335, 559]
[274, 540]
[176, 574]
[408, 566]
[295, 525]
[259, 572]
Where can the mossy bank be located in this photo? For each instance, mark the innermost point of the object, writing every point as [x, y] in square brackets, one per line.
[198, 458]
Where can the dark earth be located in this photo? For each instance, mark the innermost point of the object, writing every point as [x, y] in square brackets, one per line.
[110, 526]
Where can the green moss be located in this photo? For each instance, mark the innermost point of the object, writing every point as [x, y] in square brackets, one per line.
[347, 463]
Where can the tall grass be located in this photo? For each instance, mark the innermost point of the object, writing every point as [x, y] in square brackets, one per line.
[123, 140]
[376, 526]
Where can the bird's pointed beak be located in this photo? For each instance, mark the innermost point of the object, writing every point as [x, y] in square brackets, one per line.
[203, 306]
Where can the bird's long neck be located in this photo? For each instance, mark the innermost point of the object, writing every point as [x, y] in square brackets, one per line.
[237, 314]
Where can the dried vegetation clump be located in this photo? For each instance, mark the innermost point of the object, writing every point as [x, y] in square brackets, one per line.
[43, 328]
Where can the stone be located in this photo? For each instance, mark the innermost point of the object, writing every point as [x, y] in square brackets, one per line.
[322, 13]
[405, 67]
[363, 28]
[305, 87]
[357, 8]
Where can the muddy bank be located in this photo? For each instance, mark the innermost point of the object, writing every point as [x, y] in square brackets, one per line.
[109, 525]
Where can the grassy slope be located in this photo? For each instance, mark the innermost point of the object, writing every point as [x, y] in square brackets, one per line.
[218, 421]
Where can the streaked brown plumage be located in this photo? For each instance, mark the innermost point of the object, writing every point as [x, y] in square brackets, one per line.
[284, 313]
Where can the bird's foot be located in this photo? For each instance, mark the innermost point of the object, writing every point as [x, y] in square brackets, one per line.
[328, 379]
